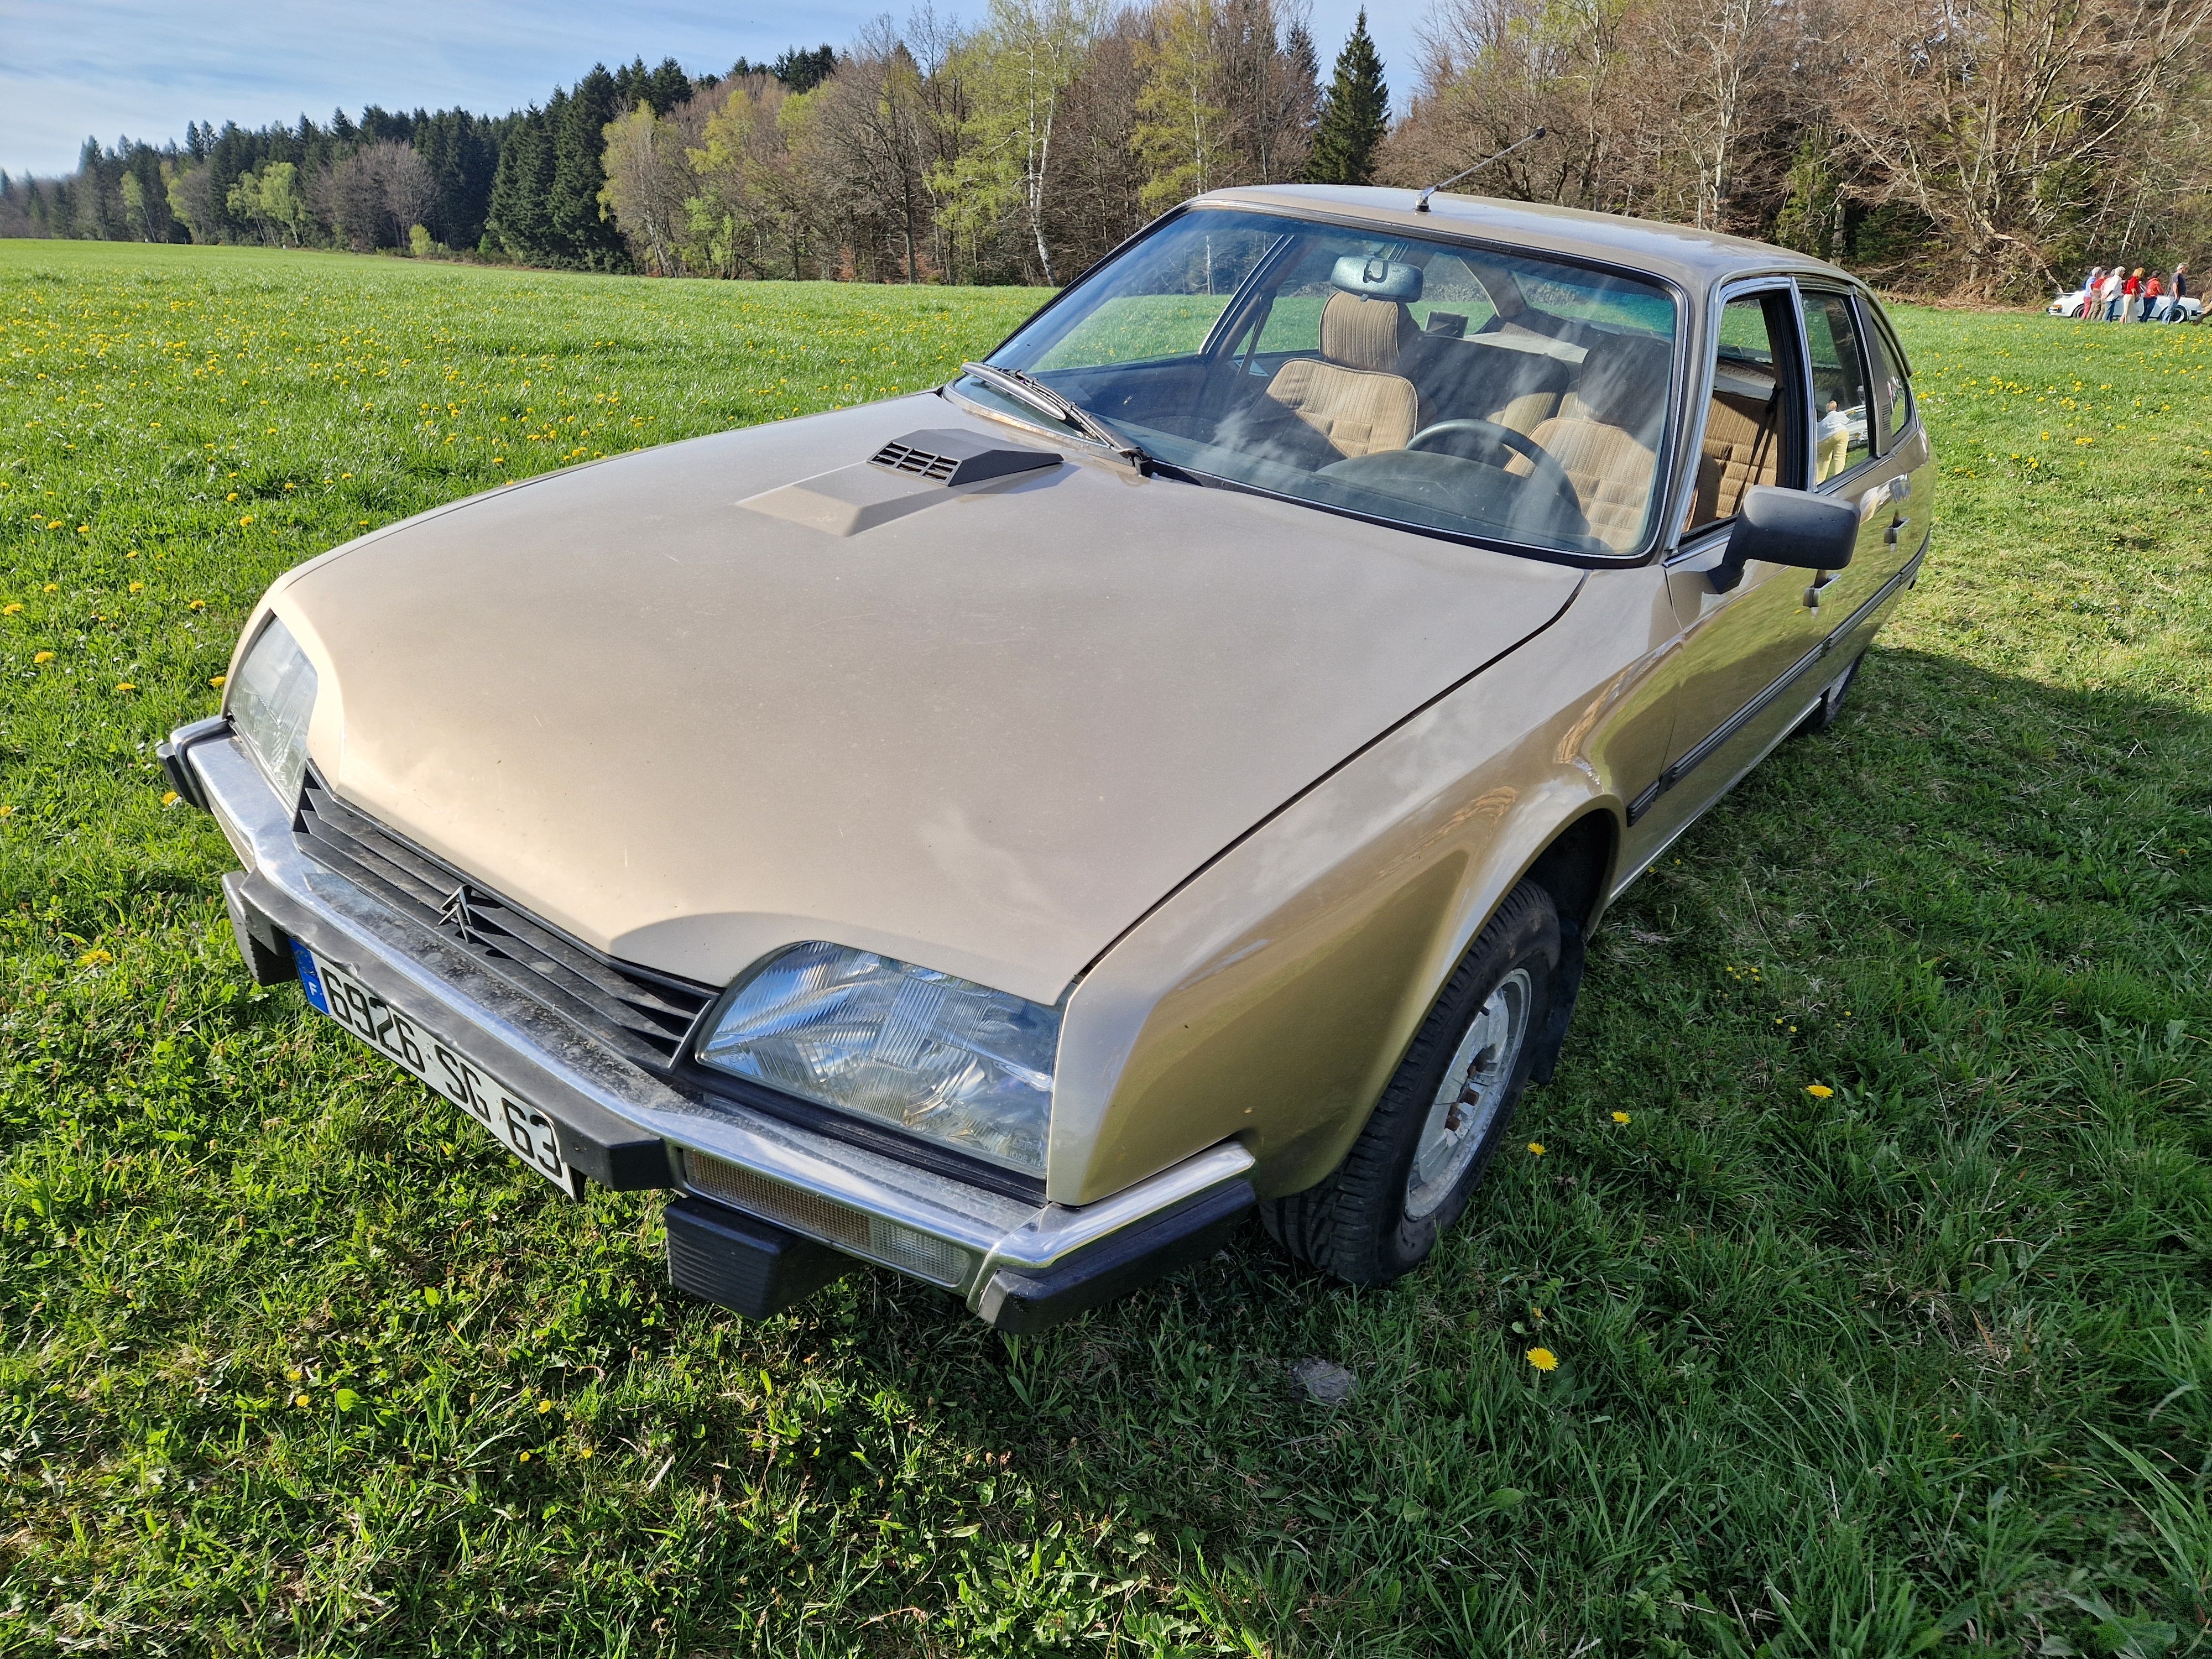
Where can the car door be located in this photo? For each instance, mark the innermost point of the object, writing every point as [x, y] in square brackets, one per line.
[1895, 533]
[1855, 459]
[1735, 680]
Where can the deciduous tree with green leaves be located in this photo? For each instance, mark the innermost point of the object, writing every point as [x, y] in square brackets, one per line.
[1014, 71]
[1182, 130]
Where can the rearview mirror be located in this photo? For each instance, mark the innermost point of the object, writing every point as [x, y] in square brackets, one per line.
[1788, 526]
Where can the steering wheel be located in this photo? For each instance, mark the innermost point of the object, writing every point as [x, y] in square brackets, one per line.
[1501, 441]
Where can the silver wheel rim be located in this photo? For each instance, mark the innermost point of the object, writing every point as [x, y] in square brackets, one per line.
[1470, 1097]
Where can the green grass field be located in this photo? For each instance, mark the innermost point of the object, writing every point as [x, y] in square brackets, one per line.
[294, 1363]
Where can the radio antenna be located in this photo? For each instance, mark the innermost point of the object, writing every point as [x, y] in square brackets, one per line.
[1422, 206]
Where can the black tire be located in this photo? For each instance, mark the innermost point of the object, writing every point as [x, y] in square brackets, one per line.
[1823, 718]
[1359, 1222]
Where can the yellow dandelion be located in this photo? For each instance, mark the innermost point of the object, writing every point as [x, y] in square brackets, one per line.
[300, 1399]
[126, 685]
[1819, 1090]
[196, 605]
[171, 799]
[51, 587]
[544, 1406]
[42, 656]
[1543, 1360]
[1620, 1117]
[232, 496]
[526, 1457]
[247, 519]
[138, 588]
[292, 1376]
[583, 1451]
[1536, 1149]
[219, 680]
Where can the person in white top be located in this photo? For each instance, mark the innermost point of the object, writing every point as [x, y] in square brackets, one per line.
[2108, 294]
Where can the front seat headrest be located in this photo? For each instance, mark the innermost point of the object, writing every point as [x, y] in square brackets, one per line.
[1365, 334]
[1377, 278]
[1624, 382]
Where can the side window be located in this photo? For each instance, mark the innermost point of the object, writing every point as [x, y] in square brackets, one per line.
[1748, 422]
[1893, 397]
[1843, 435]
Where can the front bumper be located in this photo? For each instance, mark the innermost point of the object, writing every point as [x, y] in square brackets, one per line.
[1019, 1264]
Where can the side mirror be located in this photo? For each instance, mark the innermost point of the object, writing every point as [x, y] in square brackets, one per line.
[1788, 526]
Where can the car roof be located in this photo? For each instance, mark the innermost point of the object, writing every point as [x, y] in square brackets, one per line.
[1697, 260]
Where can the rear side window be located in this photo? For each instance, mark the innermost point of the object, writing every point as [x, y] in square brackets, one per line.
[1843, 430]
[1893, 397]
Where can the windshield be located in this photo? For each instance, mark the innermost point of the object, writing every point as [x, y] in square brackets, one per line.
[1481, 391]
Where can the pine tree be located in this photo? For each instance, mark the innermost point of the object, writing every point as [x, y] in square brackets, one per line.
[1355, 114]
[580, 233]
[524, 181]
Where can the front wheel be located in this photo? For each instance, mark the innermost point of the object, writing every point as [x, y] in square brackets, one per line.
[1378, 1214]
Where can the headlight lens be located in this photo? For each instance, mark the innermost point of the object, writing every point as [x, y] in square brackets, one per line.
[270, 702]
[937, 1056]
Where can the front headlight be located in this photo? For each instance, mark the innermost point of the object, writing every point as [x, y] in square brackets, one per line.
[270, 702]
[937, 1056]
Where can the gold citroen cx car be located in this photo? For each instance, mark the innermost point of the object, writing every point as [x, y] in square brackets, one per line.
[1004, 833]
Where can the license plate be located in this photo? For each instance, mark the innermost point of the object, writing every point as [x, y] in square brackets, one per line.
[512, 1119]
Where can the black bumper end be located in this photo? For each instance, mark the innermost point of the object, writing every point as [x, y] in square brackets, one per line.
[266, 947]
[170, 751]
[743, 1263]
[1020, 1303]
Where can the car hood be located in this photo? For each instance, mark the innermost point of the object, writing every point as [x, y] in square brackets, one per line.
[987, 734]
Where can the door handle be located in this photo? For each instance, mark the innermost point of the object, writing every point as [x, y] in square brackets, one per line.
[1896, 529]
[1820, 580]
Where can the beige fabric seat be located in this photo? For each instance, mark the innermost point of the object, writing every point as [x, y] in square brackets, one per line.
[1352, 395]
[1742, 445]
[1604, 433]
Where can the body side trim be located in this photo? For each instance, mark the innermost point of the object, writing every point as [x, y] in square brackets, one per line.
[1778, 689]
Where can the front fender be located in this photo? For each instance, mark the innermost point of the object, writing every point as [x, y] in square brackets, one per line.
[1271, 998]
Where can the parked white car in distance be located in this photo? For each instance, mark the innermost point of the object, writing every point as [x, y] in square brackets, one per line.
[2190, 309]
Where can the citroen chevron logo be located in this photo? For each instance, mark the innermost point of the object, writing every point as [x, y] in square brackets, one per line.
[455, 914]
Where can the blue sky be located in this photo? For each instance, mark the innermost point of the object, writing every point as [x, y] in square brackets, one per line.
[72, 68]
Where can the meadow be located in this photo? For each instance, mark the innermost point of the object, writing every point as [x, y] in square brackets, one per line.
[292, 1363]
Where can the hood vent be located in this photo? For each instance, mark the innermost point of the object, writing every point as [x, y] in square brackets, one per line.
[952, 457]
[920, 469]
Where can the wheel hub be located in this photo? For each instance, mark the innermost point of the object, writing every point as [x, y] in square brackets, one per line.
[1470, 1096]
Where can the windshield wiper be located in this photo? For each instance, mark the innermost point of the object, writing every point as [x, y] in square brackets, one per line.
[1042, 398]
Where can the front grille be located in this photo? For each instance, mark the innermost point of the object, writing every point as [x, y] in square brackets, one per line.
[641, 1015]
[905, 457]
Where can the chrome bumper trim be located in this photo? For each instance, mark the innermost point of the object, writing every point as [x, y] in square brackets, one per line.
[592, 1090]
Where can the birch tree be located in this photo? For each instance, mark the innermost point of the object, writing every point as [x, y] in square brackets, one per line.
[1015, 72]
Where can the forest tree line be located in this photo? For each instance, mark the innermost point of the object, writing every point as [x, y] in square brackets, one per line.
[1985, 148]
